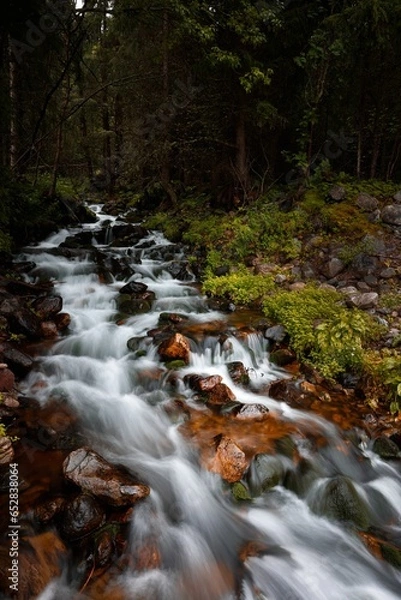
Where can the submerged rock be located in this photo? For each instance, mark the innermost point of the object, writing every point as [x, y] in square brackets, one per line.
[81, 516]
[339, 499]
[386, 448]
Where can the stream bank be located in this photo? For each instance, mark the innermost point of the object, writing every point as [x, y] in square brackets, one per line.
[239, 481]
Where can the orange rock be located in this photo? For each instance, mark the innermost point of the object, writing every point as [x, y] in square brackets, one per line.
[175, 347]
[220, 394]
[230, 461]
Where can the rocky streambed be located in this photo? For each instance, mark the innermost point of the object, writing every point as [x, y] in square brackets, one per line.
[161, 455]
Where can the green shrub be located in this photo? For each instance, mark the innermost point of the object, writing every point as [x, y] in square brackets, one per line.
[321, 330]
[241, 287]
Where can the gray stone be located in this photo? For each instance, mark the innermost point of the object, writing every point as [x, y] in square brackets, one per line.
[371, 280]
[397, 197]
[374, 216]
[276, 333]
[337, 193]
[388, 273]
[365, 264]
[363, 301]
[335, 267]
[280, 278]
[349, 290]
[391, 214]
[367, 203]
[363, 287]
[298, 285]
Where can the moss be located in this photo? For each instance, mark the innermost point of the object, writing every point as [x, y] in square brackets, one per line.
[391, 554]
[240, 492]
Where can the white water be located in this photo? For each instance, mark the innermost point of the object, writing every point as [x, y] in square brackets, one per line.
[197, 527]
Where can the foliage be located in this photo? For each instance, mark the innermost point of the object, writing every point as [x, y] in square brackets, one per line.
[3, 431]
[241, 287]
[384, 367]
[321, 330]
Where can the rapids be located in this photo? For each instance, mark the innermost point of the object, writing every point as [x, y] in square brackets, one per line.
[190, 515]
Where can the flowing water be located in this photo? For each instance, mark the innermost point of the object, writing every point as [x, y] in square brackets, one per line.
[190, 515]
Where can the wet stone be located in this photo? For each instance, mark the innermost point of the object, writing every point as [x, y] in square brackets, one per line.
[277, 334]
[230, 461]
[386, 448]
[255, 412]
[94, 475]
[81, 516]
[176, 347]
[48, 306]
[238, 373]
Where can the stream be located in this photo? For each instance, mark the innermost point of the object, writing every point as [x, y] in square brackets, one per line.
[125, 401]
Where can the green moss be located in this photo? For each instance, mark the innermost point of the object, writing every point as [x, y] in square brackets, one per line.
[321, 330]
[241, 287]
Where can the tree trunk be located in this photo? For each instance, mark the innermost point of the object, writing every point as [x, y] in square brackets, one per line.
[13, 148]
[85, 144]
[359, 156]
[241, 161]
[165, 167]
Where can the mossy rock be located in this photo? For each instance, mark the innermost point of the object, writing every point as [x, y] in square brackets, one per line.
[300, 479]
[175, 364]
[265, 473]
[391, 554]
[340, 500]
[282, 357]
[132, 306]
[240, 492]
[386, 448]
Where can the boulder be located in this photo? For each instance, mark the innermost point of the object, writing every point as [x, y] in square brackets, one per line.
[386, 448]
[48, 306]
[252, 412]
[176, 347]
[49, 329]
[7, 379]
[391, 214]
[134, 288]
[276, 334]
[6, 450]
[96, 476]
[19, 362]
[337, 194]
[388, 273]
[26, 323]
[62, 321]
[81, 516]
[219, 395]
[230, 461]
[334, 267]
[238, 373]
[397, 197]
[367, 203]
[339, 499]
[282, 357]
[202, 384]
[364, 301]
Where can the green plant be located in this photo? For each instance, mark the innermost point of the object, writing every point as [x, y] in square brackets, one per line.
[241, 287]
[3, 431]
[387, 368]
[322, 331]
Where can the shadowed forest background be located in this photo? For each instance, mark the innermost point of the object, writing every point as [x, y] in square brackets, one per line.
[223, 97]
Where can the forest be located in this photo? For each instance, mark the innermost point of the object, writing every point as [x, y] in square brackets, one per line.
[226, 97]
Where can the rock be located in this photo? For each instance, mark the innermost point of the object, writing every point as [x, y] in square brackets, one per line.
[19, 362]
[388, 273]
[391, 214]
[7, 380]
[363, 286]
[26, 323]
[230, 461]
[386, 448]
[46, 512]
[298, 285]
[277, 334]
[180, 271]
[219, 395]
[375, 216]
[363, 301]
[367, 203]
[134, 288]
[22, 288]
[337, 194]
[240, 492]
[176, 347]
[265, 473]
[335, 267]
[48, 306]
[81, 516]
[397, 197]
[202, 384]
[6, 450]
[62, 321]
[371, 280]
[49, 329]
[94, 475]
[254, 412]
[104, 548]
[280, 278]
[365, 264]
[348, 290]
[134, 306]
[340, 500]
[238, 373]
[282, 357]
